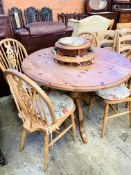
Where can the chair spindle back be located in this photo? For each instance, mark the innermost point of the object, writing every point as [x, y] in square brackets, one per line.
[32, 102]
[124, 42]
[12, 54]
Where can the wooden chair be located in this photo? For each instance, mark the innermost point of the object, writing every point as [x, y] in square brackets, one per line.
[16, 18]
[109, 40]
[123, 47]
[46, 14]
[116, 95]
[31, 15]
[92, 37]
[112, 97]
[40, 112]
[124, 42]
[12, 54]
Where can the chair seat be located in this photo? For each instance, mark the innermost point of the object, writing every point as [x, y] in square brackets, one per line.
[62, 104]
[116, 93]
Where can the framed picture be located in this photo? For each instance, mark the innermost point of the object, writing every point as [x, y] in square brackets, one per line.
[98, 6]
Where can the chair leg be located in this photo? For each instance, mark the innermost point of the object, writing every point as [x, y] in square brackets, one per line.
[23, 137]
[129, 103]
[104, 121]
[117, 107]
[89, 100]
[73, 127]
[90, 104]
[46, 150]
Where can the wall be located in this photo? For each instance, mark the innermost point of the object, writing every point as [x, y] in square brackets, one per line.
[58, 6]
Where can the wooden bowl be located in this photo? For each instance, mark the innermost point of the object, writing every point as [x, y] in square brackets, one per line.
[72, 51]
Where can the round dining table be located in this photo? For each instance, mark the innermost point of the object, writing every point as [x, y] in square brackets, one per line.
[107, 70]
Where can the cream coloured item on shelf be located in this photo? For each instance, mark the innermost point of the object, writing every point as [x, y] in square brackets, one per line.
[123, 25]
[92, 24]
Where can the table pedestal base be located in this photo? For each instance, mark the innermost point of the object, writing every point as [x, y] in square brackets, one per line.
[78, 101]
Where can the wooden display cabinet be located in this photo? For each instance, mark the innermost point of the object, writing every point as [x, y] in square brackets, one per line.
[102, 8]
[124, 9]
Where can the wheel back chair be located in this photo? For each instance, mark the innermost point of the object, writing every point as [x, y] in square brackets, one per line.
[40, 112]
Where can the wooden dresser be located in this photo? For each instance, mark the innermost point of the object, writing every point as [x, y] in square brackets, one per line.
[124, 10]
[125, 16]
[5, 31]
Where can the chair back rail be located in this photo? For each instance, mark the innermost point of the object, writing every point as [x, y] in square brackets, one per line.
[31, 15]
[91, 37]
[46, 14]
[32, 101]
[109, 40]
[124, 42]
[16, 18]
[12, 54]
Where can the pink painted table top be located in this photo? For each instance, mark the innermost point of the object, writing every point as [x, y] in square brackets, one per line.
[108, 69]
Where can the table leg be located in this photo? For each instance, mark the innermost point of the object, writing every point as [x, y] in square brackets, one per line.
[78, 101]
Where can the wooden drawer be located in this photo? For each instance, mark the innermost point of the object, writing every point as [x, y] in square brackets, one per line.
[125, 17]
[3, 22]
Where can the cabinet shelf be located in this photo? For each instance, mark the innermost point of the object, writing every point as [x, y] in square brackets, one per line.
[122, 2]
